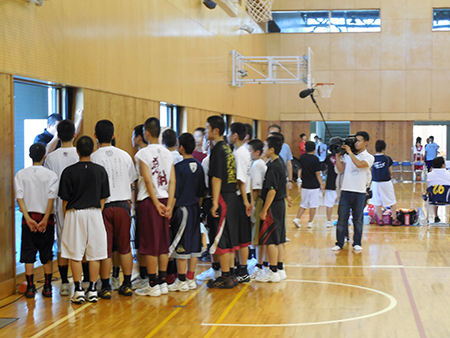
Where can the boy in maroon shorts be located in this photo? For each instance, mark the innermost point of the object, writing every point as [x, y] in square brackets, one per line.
[155, 203]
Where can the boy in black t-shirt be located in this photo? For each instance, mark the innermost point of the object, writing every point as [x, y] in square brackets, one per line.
[84, 187]
[222, 222]
[311, 184]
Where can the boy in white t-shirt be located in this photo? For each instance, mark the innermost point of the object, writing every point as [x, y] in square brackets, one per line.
[169, 139]
[35, 190]
[57, 161]
[155, 204]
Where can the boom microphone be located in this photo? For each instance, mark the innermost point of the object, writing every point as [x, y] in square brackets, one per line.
[306, 92]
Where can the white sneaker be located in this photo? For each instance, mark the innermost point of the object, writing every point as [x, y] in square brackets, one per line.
[329, 224]
[256, 272]
[115, 283]
[92, 296]
[65, 289]
[178, 285]
[192, 283]
[287, 240]
[149, 291]
[297, 222]
[336, 248]
[209, 274]
[357, 248]
[310, 224]
[283, 274]
[78, 297]
[164, 288]
[270, 276]
[139, 283]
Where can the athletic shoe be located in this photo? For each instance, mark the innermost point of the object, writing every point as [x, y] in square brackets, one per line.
[336, 248]
[164, 289]
[310, 224]
[178, 285]
[437, 219]
[104, 293]
[346, 239]
[78, 297]
[31, 291]
[209, 274]
[192, 283]
[92, 296]
[65, 289]
[283, 274]
[221, 283]
[154, 291]
[125, 290]
[256, 272]
[47, 291]
[357, 248]
[329, 224]
[251, 263]
[297, 222]
[244, 279]
[139, 283]
[270, 276]
[235, 280]
[115, 283]
[287, 239]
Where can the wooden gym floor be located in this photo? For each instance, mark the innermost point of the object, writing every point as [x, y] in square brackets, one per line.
[398, 286]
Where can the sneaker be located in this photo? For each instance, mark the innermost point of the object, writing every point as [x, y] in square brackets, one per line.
[283, 274]
[47, 291]
[235, 280]
[270, 276]
[105, 293]
[297, 222]
[256, 272]
[178, 285]
[125, 290]
[115, 283]
[287, 239]
[139, 283]
[192, 283]
[92, 296]
[310, 224]
[78, 297]
[154, 291]
[244, 279]
[336, 248]
[346, 239]
[209, 274]
[329, 224]
[65, 289]
[221, 283]
[164, 288]
[31, 291]
[357, 248]
[437, 219]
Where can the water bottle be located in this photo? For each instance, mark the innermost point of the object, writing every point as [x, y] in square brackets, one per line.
[387, 216]
[366, 218]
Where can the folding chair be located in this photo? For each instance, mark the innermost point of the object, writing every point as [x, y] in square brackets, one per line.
[437, 195]
[419, 171]
[407, 171]
[396, 171]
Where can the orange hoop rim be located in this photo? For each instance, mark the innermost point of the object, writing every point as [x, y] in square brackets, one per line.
[324, 84]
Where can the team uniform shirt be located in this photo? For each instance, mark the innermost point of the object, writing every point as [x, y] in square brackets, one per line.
[159, 161]
[310, 165]
[418, 153]
[190, 180]
[431, 151]
[438, 176]
[60, 159]
[356, 179]
[222, 165]
[176, 156]
[380, 168]
[302, 148]
[257, 173]
[382, 188]
[274, 180]
[199, 156]
[243, 166]
[36, 185]
[121, 171]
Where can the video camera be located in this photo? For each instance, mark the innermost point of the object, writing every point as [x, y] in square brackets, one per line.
[336, 143]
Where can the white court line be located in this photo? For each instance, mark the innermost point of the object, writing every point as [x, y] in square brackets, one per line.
[393, 303]
[48, 328]
[310, 231]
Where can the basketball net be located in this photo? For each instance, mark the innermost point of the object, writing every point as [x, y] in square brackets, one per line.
[325, 89]
[260, 10]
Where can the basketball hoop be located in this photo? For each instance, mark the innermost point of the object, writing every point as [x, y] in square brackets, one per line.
[325, 89]
[260, 10]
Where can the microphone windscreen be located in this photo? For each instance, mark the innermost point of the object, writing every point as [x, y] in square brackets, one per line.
[306, 92]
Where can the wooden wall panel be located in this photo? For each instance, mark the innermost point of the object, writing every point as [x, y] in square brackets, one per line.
[291, 131]
[197, 118]
[243, 119]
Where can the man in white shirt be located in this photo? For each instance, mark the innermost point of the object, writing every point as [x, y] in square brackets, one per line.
[438, 176]
[355, 169]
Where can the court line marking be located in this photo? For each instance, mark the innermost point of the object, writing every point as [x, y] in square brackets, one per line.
[174, 312]
[55, 324]
[227, 310]
[393, 303]
[356, 266]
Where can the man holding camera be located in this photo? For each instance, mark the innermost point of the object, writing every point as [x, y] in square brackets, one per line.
[355, 166]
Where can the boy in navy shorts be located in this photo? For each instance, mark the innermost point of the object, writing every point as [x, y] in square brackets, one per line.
[36, 188]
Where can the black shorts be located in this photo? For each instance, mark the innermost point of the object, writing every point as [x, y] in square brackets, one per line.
[186, 239]
[32, 242]
[245, 225]
[273, 229]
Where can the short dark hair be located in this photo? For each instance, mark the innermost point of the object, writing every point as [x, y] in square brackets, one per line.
[275, 126]
[432, 138]
[364, 135]
[188, 142]
[216, 121]
[169, 137]
[37, 152]
[249, 129]
[380, 145]
[239, 129]
[438, 162]
[256, 145]
[279, 135]
[85, 146]
[309, 146]
[275, 143]
[104, 129]
[302, 134]
[139, 131]
[53, 118]
[66, 130]
[200, 129]
[153, 126]
[418, 139]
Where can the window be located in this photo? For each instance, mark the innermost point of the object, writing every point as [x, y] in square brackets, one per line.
[170, 116]
[337, 21]
[441, 19]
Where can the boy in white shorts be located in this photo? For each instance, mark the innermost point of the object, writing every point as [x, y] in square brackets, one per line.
[311, 184]
[330, 199]
[84, 187]
[383, 193]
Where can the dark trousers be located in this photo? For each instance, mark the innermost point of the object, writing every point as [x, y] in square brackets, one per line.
[354, 201]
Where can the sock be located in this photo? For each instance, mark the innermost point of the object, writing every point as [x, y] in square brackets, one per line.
[266, 264]
[152, 279]
[63, 271]
[243, 271]
[162, 275]
[182, 277]
[190, 275]
[85, 272]
[251, 253]
[273, 268]
[172, 267]
[78, 286]
[280, 266]
[48, 279]
[216, 266]
[93, 286]
[226, 274]
[237, 266]
[143, 272]
[116, 270]
[259, 266]
[127, 280]
[105, 284]
[30, 279]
